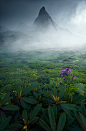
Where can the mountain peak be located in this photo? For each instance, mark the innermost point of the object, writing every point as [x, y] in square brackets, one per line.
[43, 19]
[42, 10]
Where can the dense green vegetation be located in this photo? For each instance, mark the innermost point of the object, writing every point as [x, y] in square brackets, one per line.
[24, 67]
[34, 69]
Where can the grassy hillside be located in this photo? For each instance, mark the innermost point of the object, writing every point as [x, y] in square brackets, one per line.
[44, 66]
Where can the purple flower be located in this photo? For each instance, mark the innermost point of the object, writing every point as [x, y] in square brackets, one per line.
[73, 75]
[66, 72]
[64, 78]
[60, 82]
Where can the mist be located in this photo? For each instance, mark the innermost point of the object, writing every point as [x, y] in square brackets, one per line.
[69, 18]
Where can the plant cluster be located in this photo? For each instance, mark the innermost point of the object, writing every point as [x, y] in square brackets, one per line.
[49, 107]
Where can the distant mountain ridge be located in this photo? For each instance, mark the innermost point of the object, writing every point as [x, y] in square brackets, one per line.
[22, 27]
[3, 28]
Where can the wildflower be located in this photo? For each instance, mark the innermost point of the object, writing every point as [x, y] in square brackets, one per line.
[66, 72]
[73, 75]
[60, 82]
[64, 78]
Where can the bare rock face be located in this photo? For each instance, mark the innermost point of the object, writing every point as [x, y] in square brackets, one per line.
[43, 20]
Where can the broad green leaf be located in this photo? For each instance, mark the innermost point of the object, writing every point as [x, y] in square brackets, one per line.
[83, 119]
[75, 96]
[24, 105]
[78, 99]
[48, 101]
[14, 126]
[51, 84]
[35, 111]
[29, 100]
[45, 114]
[50, 94]
[83, 110]
[75, 115]
[35, 94]
[11, 108]
[6, 98]
[24, 115]
[3, 116]
[51, 118]
[25, 91]
[61, 122]
[4, 124]
[80, 86]
[79, 91]
[55, 111]
[35, 119]
[69, 106]
[66, 110]
[44, 125]
[18, 91]
[65, 96]
[55, 92]
[69, 121]
[81, 125]
[62, 91]
[73, 128]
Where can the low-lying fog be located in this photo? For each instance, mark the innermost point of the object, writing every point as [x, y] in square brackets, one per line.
[42, 39]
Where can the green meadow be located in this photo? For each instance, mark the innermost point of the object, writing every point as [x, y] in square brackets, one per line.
[23, 67]
[33, 94]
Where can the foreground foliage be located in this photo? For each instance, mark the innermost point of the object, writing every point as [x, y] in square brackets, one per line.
[43, 107]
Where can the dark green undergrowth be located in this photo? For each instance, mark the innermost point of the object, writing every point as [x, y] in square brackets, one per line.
[49, 107]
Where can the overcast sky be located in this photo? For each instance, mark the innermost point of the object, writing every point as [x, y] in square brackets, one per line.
[70, 14]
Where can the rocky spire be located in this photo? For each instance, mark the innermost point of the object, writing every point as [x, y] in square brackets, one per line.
[43, 19]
